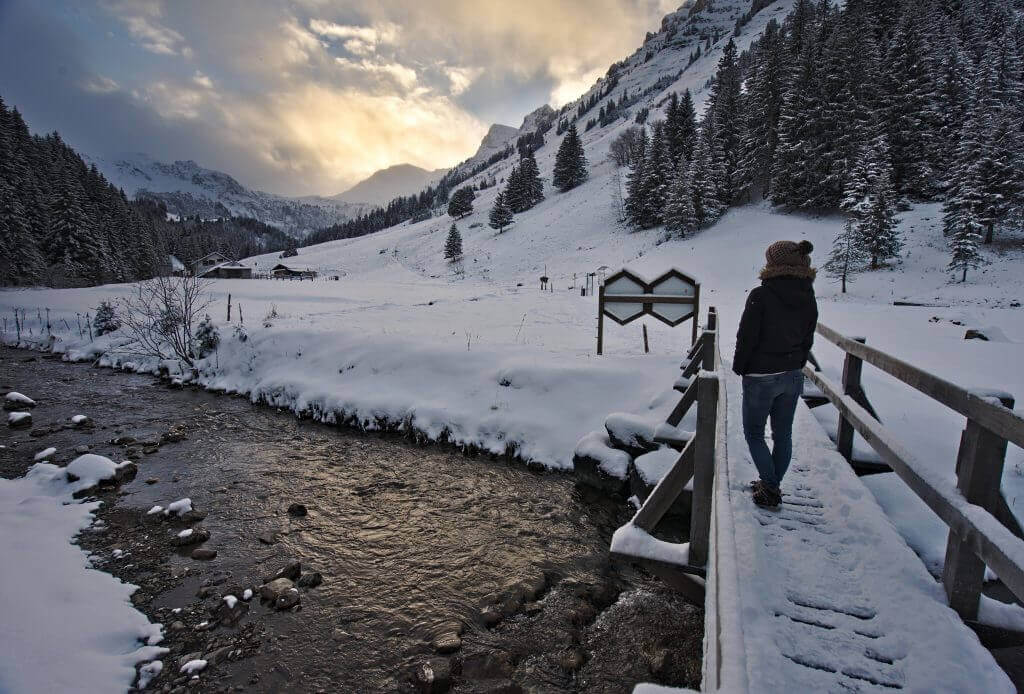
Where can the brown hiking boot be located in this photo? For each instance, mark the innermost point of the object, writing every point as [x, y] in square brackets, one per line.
[766, 497]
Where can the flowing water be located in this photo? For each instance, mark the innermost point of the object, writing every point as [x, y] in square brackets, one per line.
[412, 543]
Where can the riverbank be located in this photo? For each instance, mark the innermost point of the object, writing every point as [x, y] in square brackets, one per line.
[412, 545]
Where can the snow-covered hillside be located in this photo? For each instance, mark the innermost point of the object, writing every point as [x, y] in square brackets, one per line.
[187, 189]
[387, 184]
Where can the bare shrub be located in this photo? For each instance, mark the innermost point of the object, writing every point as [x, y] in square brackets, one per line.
[161, 316]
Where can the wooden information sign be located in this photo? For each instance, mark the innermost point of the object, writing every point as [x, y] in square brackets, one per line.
[672, 298]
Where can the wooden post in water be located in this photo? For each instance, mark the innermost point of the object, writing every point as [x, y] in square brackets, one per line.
[229, 308]
[852, 367]
[979, 474]
[703, 467]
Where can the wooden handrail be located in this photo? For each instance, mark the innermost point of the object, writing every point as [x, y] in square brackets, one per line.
[1000, 420]
[993, 543]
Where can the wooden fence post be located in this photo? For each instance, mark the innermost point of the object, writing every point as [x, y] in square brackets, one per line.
[979, 474]
[703, 467]
[852, 367]
[600, 319]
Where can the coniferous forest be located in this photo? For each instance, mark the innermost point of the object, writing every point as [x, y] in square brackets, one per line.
[62, 224]
[862, 109]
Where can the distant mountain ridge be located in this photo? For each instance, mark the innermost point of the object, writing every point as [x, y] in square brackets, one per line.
[189, 190]
[387, 184]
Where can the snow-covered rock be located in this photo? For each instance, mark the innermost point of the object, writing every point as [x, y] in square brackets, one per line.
[44, 454]
[599, 465]
[89, 470]
[15, 400]
[19, 419]
[630, 433]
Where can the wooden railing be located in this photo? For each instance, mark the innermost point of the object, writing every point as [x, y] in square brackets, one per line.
[982, 530]
[700, 385]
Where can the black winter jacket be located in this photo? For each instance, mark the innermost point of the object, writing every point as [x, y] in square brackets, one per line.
[777, 328]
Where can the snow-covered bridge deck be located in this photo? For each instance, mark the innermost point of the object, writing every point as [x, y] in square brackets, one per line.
[823, 594]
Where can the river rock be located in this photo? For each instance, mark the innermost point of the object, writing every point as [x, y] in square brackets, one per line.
[486, 666]
[288, 599]
[432, 676]
[173, 436]
[230, 611]
[534, 586]
[218, 656]
[177, 626]
[267, 538]
[204, 554]
[292, 570]
[81, 450]
[447, 643]
[190, 536]
[572, 659]
[297, 510]
[490, 615]
[273, 589]
[311, 580]
[126, 472]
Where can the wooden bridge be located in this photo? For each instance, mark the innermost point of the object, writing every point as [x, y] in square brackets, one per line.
[823, 594]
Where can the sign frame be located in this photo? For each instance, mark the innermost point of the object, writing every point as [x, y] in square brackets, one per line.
[645, 298]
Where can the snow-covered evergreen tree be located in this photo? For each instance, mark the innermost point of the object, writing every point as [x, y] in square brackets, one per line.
[570, 162]
[461, 202]
[706, 172]
[453, 245]
[847, 257]
[680, 217]
[501, 214]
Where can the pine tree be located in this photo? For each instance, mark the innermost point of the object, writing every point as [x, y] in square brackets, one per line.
[761, 116]
[501, 214]
[532, 186]
[680, 217]
[635, 202]
[725, 111]
[681, 127]
[658, 174]
[570, 162]
[848, 256]
[461, 203]
[705, 174]
[453, 245]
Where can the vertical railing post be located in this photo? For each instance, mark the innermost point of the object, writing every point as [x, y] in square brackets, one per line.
[600, 319]
[703, 466]
[979, 474]
[852, 367]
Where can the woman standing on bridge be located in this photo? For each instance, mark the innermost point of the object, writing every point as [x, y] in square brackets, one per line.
[772, 345]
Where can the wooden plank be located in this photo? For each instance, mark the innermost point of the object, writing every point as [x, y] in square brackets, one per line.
[703, 467]
[979, 474]
[708, 353]
[1005, 515]
[852, 367]
[680, 410]
[695, 347]
[600, 320]
[674, 575]
[667, 491]
[647, 299]
[994, 544]
[693, 367]
[996, 418]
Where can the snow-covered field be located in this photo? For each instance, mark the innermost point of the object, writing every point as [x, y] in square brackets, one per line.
[462, 351]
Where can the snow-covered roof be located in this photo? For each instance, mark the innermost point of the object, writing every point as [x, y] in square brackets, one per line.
[231, 265]
[292, 268]
[215, 254]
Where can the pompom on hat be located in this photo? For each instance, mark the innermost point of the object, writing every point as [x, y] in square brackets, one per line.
[789, 259]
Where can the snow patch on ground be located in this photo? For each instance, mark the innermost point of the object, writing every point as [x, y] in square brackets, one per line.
[66, 626]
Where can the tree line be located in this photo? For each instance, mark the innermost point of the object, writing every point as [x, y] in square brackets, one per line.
[62, 224]
[861, 109]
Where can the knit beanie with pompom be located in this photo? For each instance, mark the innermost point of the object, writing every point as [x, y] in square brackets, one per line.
[788, 258]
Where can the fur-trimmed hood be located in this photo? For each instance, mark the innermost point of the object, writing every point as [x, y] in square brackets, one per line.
[798, 271]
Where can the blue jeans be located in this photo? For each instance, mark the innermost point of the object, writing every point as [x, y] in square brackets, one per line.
[776, 397]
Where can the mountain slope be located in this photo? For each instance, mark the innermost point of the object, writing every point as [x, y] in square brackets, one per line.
[385, 185]
[187, 189]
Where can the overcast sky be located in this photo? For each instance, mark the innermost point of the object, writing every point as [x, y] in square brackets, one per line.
[307, 96]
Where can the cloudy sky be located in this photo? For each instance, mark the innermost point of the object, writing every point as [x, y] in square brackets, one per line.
[306, 96]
